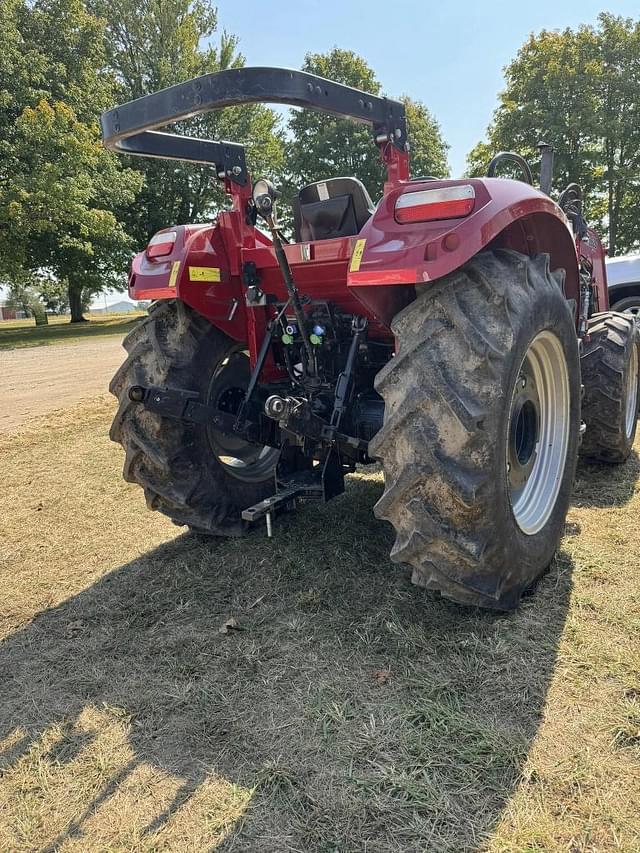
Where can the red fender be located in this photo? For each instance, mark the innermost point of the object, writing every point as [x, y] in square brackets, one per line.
[507, 214]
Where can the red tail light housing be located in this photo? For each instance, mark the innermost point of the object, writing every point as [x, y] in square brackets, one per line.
[161, 244]
[440, 203]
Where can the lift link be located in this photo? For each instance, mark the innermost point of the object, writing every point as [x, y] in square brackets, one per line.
[292, 290]
[183, 405]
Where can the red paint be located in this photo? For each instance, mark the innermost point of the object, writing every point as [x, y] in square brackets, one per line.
[396, 256]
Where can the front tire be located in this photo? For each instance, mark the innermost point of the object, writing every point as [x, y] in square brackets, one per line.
[196, 476]
[611, 387]
[481, 428]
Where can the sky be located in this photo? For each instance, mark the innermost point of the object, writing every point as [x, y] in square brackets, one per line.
[450, 55]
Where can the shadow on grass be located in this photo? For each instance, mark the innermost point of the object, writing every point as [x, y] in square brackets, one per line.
[361, 712]
[607, 485]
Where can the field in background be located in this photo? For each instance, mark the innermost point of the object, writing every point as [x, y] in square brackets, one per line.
[342, 709]
[24, 333]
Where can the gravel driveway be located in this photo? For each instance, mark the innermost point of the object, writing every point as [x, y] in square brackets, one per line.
[37, 380]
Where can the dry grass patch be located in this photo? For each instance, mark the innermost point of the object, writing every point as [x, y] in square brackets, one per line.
[346, 711]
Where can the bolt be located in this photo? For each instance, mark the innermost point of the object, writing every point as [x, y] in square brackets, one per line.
[508, 466]
[524, 382]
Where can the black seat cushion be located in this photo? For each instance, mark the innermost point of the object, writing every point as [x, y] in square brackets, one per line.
[337, 207]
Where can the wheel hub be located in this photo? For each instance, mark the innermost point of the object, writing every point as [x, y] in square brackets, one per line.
[538, 436]
[243, 460]
[523, 432]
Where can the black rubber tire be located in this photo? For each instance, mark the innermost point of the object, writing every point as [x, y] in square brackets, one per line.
[443, 443]
[172, 460]
[606, 362]
[631, 302]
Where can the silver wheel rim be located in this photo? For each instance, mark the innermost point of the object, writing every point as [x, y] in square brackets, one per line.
[634, 310]
[247, 462]
[632, 392]
[538, 437]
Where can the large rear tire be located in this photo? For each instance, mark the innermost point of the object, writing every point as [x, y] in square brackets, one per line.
[190, 472]
[481, 428]
[611, 379]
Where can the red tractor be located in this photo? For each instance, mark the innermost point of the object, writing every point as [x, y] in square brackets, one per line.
[458, 331]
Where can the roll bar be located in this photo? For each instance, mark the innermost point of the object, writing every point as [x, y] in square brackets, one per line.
[131, 127]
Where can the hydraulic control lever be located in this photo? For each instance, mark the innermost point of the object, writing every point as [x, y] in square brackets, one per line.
[264, 196]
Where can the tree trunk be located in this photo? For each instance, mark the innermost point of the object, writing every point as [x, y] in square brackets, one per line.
[75, 303]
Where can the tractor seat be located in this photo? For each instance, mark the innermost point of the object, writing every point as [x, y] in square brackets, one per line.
[337, 207]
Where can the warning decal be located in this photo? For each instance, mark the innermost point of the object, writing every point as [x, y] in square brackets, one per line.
[204, 274]
[356, 258]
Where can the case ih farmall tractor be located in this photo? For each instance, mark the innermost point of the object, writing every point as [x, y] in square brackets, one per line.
[458, 331]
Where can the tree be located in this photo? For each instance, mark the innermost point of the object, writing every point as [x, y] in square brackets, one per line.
[324, 146]
[54, 293]
[58, 185]
[578, 90]
[156, 44]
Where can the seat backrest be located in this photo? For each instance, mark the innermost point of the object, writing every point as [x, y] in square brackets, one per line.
[337, 207]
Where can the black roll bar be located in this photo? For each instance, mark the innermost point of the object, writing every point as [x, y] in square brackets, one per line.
[132, 127]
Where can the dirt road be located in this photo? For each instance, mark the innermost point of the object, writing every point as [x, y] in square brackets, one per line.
[37, 380]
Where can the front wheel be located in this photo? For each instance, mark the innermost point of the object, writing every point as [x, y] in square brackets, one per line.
[480, 436]
[611, 387]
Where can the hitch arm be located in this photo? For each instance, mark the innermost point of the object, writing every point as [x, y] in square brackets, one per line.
[184, 405]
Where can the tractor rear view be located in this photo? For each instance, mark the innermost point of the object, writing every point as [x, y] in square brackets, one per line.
[447, 332]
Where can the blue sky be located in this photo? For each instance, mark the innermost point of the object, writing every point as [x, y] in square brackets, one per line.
[450, 55]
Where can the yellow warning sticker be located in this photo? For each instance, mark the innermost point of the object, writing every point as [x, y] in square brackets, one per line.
[356, 258]
[204, 274]
[173, 277]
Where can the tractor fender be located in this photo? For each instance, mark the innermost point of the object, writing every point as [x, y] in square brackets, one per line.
[390, 257]
[197, 271]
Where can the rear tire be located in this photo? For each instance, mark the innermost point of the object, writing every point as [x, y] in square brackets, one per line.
[611, 379]
[464, 441]
[192, 474]
[630, 305]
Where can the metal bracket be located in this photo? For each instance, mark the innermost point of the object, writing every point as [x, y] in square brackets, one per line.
[132, 127]
[184, 405]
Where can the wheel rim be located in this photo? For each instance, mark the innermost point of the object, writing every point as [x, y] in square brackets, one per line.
[634, 310]
[632, 392]
[538, 436]
[242, 460]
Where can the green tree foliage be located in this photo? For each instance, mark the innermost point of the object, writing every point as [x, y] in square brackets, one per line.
[324, 146]
[578, 90]
[58, 186]
[155, 44]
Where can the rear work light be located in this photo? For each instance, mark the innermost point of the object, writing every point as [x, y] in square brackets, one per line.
[161, 244]
[441, 203]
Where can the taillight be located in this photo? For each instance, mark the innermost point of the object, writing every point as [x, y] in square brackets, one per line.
[441, 203]
[161, 244]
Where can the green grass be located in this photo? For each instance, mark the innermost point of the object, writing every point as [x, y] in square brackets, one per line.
[24, 333]
[348, 711]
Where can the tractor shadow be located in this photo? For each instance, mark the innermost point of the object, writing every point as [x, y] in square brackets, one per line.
[607, 485]
[359, 711]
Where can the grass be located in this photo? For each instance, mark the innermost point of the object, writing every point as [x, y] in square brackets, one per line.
[24, 333]
[347, 711]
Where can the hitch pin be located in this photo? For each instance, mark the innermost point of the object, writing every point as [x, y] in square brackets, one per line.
[269, 526]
